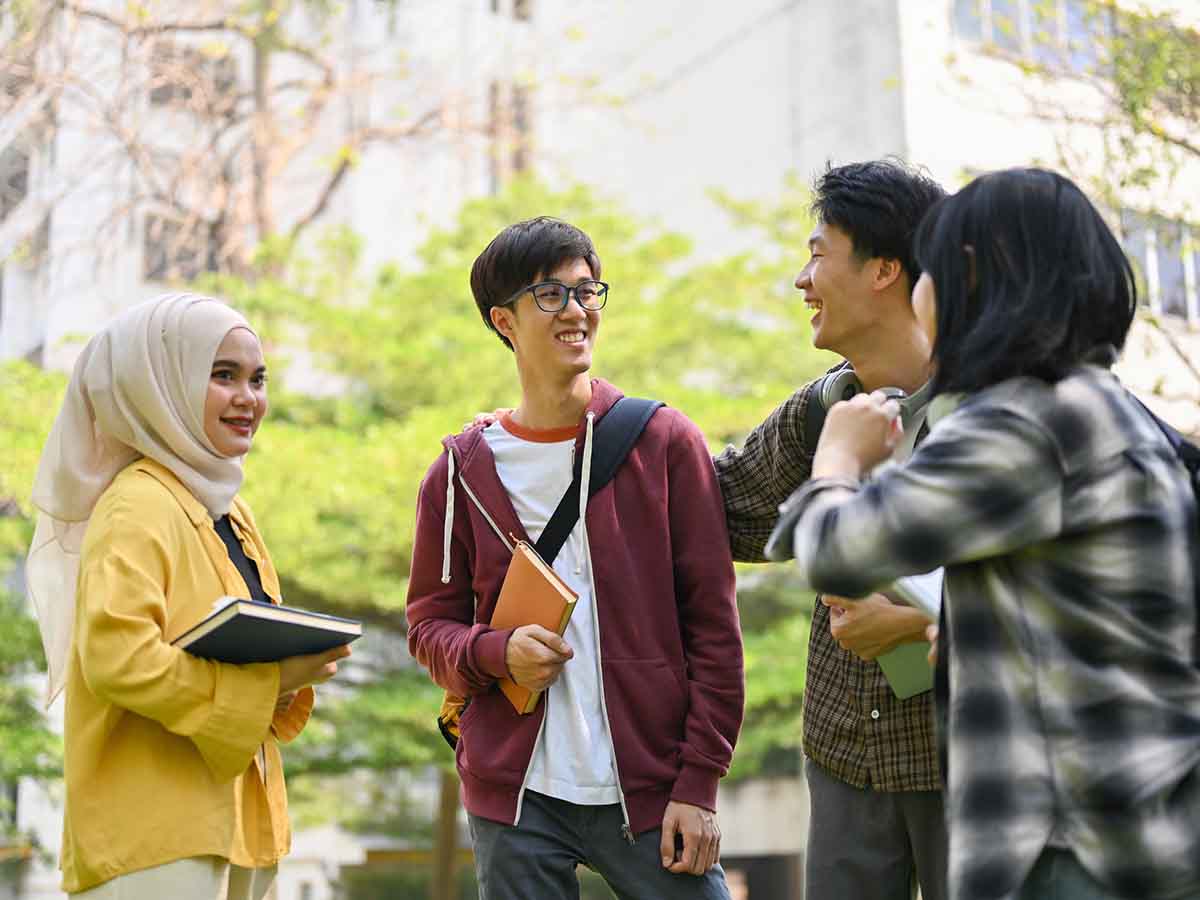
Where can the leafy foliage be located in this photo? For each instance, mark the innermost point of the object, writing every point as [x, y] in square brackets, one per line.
[369, 373]
[28, 398]
[1143, 68]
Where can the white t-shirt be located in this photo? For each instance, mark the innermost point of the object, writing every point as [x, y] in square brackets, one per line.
[573, 759]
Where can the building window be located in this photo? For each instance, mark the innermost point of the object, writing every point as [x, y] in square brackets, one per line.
[495, 136]
[518, 10]
[14, 178]
[181, 75]
[1166, 258]
[510, 129]
[1008, 26]
[306, 890]
[521, 115]
[1172, 289]
[1084, 33]
[172, 252]
[37, 247]
[1064, 34]
[968, 20]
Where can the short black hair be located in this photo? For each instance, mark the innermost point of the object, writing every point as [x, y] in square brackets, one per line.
[879, 205]
[1049, 286]
[522, 253]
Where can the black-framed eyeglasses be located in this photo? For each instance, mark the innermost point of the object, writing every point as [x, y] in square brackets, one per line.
[553, 296]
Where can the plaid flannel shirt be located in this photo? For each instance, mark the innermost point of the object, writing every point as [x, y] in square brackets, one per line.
[1067, 527]
[854, 725]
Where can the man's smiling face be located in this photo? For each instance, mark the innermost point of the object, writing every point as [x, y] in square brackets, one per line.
[837, 286]
[554, 343]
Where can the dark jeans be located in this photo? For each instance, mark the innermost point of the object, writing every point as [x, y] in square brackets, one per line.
[873, 845]
[1057, 875]
[536, 859]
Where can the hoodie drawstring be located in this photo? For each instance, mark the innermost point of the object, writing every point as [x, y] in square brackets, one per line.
[449, 526]
[584, 484]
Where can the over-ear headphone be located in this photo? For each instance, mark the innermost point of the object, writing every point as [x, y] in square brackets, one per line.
[840, 384]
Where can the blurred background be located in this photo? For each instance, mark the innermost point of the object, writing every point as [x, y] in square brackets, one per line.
[332, 168]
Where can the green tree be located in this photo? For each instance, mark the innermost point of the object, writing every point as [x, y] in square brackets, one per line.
[28, 746]
[1140, 66]
[370, 371]
[407, 359]
[215, 110]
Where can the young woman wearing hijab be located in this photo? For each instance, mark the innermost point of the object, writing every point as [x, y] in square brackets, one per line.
[1067, 527]
[174, 784]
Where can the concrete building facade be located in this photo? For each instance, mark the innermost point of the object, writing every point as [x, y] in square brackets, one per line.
[656, 104]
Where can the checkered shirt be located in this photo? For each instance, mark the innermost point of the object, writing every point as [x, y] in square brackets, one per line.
[854, 725]
[1068, 529]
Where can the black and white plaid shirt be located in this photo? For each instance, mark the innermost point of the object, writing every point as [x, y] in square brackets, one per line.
[1067, 527]
[854, 725]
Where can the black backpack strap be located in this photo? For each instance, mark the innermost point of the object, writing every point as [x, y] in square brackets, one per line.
[1188, 453]
[612, 439]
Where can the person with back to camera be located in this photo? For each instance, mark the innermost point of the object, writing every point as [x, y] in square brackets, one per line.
[174, 781]
[1068, 529]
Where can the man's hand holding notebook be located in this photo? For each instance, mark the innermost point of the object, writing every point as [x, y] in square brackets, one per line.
[535, 655]
[537, 603]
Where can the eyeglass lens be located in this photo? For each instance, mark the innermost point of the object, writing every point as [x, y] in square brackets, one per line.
[551, 296]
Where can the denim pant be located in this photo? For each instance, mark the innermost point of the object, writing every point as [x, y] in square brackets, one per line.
[536, 859]
[1057, 875]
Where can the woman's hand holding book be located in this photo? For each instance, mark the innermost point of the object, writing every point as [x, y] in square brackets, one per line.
[297, 672]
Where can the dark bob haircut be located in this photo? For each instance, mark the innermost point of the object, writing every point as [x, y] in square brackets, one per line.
[1043, 287]
[879, 205]
[521, 254]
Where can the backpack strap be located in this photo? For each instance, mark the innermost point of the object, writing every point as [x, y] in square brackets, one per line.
[613, 438]
[1188, 453]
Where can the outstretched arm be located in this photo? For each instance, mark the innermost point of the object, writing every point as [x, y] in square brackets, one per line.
[772, 463]
[986, 482]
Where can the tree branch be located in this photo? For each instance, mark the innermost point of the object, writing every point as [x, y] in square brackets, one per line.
[1173, 344]
[353, 146]
[331, 185]
[156, 28]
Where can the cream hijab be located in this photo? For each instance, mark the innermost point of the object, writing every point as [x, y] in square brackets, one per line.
[138, 390]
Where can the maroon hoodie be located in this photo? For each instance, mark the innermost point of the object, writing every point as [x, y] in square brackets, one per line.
[670, 644]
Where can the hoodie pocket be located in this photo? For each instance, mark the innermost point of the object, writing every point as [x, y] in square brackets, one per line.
[647, 705]
[494, 742]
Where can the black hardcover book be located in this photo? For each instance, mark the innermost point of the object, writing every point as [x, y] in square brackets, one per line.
[246, 631]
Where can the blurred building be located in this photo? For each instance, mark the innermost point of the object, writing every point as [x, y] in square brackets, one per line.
[657, 104]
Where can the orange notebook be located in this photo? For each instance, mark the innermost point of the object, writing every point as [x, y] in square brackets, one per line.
[532, 594]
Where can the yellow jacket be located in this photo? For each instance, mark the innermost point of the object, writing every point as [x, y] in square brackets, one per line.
[167, 755]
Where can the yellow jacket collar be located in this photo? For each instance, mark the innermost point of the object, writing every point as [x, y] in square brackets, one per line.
[193, 507]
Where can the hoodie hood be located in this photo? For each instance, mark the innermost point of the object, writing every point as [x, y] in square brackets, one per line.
[465, 444]
[467, 452]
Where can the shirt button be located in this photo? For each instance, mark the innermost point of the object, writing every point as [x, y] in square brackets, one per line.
[874, 714]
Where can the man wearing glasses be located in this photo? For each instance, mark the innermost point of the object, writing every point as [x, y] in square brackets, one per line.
[617, 767]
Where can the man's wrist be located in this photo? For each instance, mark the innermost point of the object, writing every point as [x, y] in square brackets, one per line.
[911, 624]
